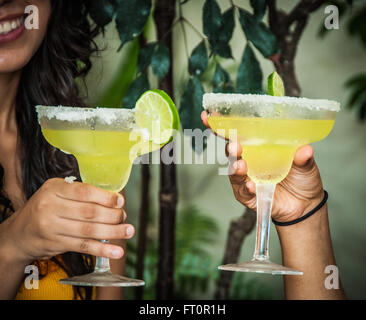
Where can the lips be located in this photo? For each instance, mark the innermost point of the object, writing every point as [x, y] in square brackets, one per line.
[11, 28]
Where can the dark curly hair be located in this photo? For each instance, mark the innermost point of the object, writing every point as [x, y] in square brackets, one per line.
[49, 79]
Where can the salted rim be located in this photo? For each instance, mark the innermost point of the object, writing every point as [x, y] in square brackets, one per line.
[73, 114]
[217, 99]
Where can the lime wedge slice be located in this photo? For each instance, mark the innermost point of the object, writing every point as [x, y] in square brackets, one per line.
[275, 85]
[157, 115]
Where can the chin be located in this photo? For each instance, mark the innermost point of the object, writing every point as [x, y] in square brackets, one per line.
[14, 61]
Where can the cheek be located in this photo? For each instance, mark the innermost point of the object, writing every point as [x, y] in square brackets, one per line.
[15, 55]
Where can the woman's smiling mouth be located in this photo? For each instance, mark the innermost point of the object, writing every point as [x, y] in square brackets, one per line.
[11, 28]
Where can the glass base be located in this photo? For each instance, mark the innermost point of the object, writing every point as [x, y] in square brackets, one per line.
[102, 279]
[260, 266]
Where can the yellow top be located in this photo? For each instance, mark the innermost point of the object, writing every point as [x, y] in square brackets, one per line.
[49, 287]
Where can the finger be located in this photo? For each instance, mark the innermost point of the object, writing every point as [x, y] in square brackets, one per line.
[92, 247]
[303, 155]
[240, 175]
[234, 149]
[81, 211]
[240, 167]
[204, 119]
[83, 192]
[251, 187]
[98, 231]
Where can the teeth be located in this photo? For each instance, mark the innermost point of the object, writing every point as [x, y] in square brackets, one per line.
[8, 26]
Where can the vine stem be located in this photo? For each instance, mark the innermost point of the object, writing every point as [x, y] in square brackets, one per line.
[232, 3]
[185, 39]
[184, 20]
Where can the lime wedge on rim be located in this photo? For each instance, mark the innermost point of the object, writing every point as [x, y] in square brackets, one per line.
[157, 114]
[275, 85]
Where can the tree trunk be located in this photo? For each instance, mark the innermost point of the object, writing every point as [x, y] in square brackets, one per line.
[164, 16]
[288, 29]
[238, 231]
[142, 229]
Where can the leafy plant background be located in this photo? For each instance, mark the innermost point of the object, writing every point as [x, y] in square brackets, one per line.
[125, 66]
[195, 269]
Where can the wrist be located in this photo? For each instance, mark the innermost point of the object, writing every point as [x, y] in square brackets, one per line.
[9, 250]
[315, 226]
[303, 216]
[13, 257]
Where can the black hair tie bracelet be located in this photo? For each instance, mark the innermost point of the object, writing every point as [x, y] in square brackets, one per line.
[318, 207]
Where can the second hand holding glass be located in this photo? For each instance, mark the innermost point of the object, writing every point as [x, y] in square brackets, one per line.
[270, 129]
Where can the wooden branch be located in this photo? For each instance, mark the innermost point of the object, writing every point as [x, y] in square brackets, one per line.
[142, 227]
[299, 29]
[164, 15]
[303, 9]
[272, 13]
[238, 231]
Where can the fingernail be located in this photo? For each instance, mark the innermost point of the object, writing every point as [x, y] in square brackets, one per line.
[120, 202]
[116, 253]
[129, 231]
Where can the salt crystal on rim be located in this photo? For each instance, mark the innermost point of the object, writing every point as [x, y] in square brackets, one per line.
[211, 100]
[75, 114]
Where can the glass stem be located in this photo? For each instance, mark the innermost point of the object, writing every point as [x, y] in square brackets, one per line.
[101, 263]
[265, 194]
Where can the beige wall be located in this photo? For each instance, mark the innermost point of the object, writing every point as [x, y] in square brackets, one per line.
[322, 68]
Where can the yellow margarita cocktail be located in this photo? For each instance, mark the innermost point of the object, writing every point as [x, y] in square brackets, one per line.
[105, 158]
[270, 129]
[269, 145]
[106, 142]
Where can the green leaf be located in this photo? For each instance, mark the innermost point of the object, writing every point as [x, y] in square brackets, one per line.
[132, 16]
[135, 90]
[219, 41]
[212, 19]
[357, 80]
[362, 112]
[191, 105]
[249, 74]
[221, 81]
[228, 25]
[198, 60]
[357, 25]
[101, 12]
[259, 8]
[191, 109]
[223, 50]
[259, 34]
[358, 94]
[160, 61]
[145, 56]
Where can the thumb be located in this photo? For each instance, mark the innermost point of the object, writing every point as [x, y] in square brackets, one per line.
[303, 155]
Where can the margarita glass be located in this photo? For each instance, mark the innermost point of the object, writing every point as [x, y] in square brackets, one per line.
[270, 129]
[105, 143]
